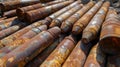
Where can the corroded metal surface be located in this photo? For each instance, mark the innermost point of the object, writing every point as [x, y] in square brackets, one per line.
[94, 26]
[79, 26]
[58, 21]
[9, 5]
[78, 55]
[9, 14]
[96, 58]
[58, 56]
[113, 61]
[37, 14]
[110, 33]
[43, 55]
[24, 53]
[68, 24]
[58, 13]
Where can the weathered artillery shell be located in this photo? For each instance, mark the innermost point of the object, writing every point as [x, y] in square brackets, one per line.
[9, 5]
[17, 34]
[58, 21]
[11, 30]
[21, 11]
[9, 14]
[59, 55]
[44, 54]
[110, 34]
[22, 39]
[84, 20]
[78, 56]
[96, 58]
[113, 61]
[37, 14]
[68, 24]
[26, 52]
[94, 26]
[58, 13]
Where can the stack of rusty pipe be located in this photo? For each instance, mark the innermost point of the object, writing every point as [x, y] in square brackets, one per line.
[40, 13]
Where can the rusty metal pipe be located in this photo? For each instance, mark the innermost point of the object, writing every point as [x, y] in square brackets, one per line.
[84, 20]
[11, 30]
[110, 35]
[53, 2]
[96, 58]
[94, 26]
[58, 21]
[26, 52]
[16, 35]
[22, 39]
[58, 56]
[9, 14]
[43, 55]
[78, 56]
[9, 5]
[68, 23]
[37, 14]
[58, 13]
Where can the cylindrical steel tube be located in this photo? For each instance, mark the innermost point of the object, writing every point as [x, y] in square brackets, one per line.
[9, 14]
[36, 62]
[96, 58]
[37, 14]
[113, 61]
[58, 13]
[84, 20]
[58, 21]
[11, 30]
[53, 2]
[67, 24]
[19, 33]
[94, 26]
[9, 5]
[110, 35]
[26, 52]
[22, 39]
[58, 56]
[21, 11]
[78, 55]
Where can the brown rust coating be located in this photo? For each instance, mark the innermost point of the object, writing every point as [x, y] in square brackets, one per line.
[22, 39]
[19, 33]
[113, 61]
[9, 14]
[96, 58]
[78, 56]
[53, 2]
[9, 5]
[37, 14]
[26, 52]
[58, 13]
[110, 34]
[3, 20]
[67, 24]
[59, 55]
[44, 54]
[58, 21]
[11, 30]
[94, 26]
[84, 20]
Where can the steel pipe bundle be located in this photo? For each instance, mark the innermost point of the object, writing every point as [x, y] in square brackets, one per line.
[78, 55]
[94, 26]
[21, 11]
[84, 20]
[26, 52]
[110, 35]
[58, 56]
[49, 19]
[9, 14]
[67, 24]
[40, 13]
[58, 21]
[9, 5]
[96, 58]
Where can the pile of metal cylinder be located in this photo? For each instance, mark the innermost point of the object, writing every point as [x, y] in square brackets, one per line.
[59, 34]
